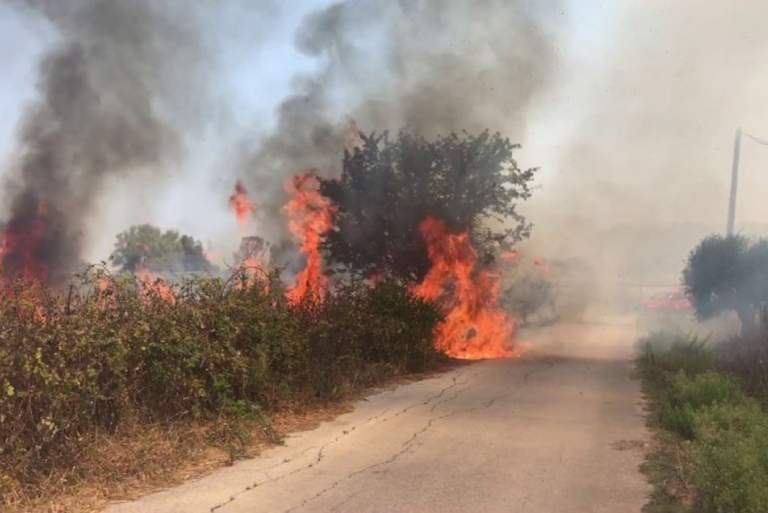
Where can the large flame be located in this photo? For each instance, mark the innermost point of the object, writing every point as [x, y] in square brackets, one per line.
[310, 216]
[475, 327]
[241, 203]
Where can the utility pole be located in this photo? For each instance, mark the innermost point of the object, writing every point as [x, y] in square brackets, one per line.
[734, 183]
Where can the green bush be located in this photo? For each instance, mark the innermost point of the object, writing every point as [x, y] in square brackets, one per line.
[111, 350]
[687, 395]
[730, 455]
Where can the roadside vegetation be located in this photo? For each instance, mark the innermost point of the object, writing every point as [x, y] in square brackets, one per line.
[712, 427]
[208, 365]
[708, 398]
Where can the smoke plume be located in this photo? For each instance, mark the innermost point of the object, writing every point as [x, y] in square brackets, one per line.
[430, 66]
[644, 172]
[108, 95]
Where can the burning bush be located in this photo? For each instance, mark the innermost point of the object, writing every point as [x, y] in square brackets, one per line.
[75, 364]
[389, 187]
[417, 210]
[310, 217]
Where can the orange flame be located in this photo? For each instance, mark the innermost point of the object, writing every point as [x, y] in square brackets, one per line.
[252, 271]
[240, 203]
[310, 217]
[20, 245]
[474, 327]
[153, 284]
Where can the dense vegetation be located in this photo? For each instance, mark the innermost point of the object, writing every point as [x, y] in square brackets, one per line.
[708, 401]
[113, 350]
[390, 185]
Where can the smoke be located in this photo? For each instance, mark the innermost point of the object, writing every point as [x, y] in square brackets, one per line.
[110, 94]
[642, 172]
[125, 94]
[430, 66]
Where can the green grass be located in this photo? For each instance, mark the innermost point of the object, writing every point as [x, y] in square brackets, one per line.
[686, 396]
[711, 437]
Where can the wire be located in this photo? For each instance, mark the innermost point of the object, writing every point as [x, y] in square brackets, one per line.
[756, 139]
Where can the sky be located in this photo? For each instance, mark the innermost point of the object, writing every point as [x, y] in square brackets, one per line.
[637, 124]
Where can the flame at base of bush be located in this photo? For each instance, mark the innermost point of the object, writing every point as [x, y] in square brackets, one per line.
[152, 284]
[310, 216]
[475, 327]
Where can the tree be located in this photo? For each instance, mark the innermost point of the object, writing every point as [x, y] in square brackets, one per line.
[728, 273]
[387, 187]
[147, 246]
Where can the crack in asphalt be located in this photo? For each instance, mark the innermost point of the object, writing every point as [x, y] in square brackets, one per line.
[270, 479]
[408, 444]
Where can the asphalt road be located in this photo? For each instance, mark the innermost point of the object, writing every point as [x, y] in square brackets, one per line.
[560, 430]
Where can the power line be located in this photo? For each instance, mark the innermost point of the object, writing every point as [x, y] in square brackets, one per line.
[758, 140]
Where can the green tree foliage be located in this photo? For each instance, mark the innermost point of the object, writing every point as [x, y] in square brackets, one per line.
[728, 273]
[158, 251]
[388, 186]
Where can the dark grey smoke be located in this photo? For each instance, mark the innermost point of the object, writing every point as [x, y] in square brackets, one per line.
[109, 92]
[431, 66]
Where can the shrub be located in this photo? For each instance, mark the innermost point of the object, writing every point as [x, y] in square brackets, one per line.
[112, 350]
[669, 353]
[727, 457]
[730, 455]
[687, 395]
[747, 357]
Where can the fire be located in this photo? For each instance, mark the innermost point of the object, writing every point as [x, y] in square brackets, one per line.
[251, 271]
[474, 327]
[153, 284]
[240, 203]
[310, 217]
[20, 247]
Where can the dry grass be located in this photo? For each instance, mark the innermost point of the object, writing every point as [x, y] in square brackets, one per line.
[141, 459]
